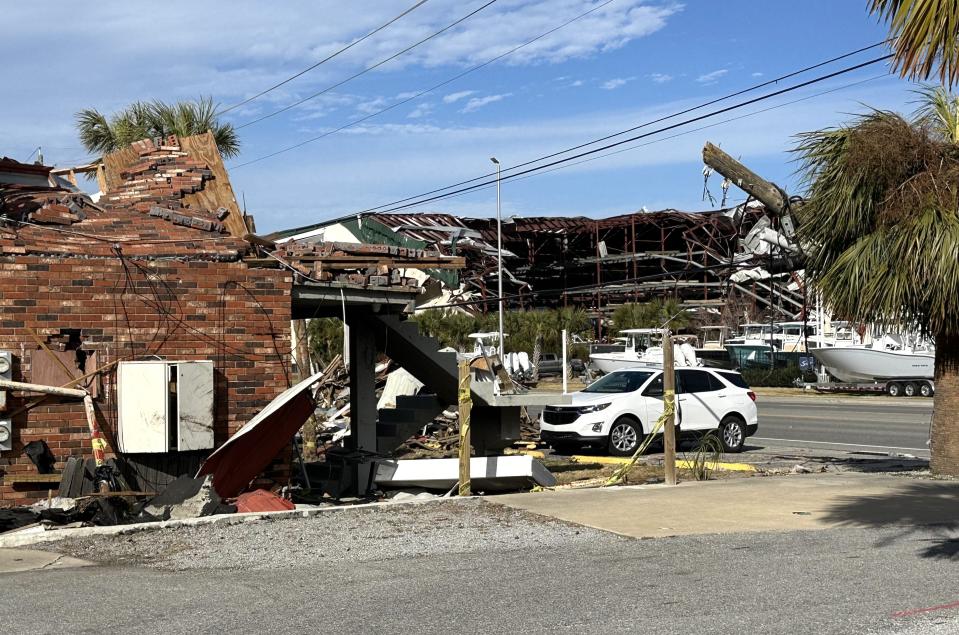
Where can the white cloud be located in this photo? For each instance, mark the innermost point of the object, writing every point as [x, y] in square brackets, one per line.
[255, 46]
[455, 97]
[421, 110]
[711, 77]
[616, 82]
[577, 83]
[478, 102]
[661, 78]
[757, 74]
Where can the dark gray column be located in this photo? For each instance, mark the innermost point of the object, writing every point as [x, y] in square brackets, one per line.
[362, 395]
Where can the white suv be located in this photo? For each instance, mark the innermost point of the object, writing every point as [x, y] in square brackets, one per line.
[619, 409]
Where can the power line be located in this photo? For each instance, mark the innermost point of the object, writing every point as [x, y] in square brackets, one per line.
[634, 128]
[642, 136]
[424, 92]
[368, 68]
[680, 134]
[325, 59]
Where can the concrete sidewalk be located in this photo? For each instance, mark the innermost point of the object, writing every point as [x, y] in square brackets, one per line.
[809, 501]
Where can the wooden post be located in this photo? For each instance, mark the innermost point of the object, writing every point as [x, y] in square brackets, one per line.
[669, 403]
[465, 405]
[304, 369]
[744, 178]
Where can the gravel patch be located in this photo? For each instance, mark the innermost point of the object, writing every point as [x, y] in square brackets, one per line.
[359, 535]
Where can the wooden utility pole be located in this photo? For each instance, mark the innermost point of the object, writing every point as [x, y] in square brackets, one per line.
[669, 404]
[744, 178]
[465, 405]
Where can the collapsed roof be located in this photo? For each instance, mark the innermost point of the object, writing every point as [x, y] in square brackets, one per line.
[595, 263]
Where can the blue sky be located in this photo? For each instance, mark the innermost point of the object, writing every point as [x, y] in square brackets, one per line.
[628, 62]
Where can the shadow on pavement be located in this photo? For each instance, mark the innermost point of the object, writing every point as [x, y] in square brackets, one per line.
[925, 506]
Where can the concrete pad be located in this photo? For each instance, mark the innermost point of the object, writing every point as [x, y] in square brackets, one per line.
[808, 501]
[16, 560]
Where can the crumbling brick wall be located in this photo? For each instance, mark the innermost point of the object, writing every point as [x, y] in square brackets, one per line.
[178, 309]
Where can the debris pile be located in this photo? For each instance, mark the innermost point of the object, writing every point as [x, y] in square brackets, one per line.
[158, 181]
[362, 264]
[45, 205]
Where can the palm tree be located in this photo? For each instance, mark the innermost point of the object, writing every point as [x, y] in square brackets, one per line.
[926, 36]
[141, 120]
[653, 314]
[881, 228]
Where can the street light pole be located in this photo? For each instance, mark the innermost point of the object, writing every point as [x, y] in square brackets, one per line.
[499, 256]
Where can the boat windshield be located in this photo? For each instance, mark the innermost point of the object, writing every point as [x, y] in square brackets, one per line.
[619, 382]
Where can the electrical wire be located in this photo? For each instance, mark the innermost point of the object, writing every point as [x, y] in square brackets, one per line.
[644, 135]
[640, 126]
[425, 91]
[680, 134]
[367, 69]
[324, 60]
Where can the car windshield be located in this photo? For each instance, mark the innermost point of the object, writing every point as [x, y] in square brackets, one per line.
[619, 381]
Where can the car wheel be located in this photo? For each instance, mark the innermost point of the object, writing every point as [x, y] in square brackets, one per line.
[732, 432]
[624, 437]
[909, 389]
[893, 389]
[925, 389]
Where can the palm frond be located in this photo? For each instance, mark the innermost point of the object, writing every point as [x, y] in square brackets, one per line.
[882, 220]
[156, 118]
[925, 37]
[939, 111]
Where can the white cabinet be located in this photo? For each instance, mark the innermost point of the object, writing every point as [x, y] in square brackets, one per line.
[165, 406]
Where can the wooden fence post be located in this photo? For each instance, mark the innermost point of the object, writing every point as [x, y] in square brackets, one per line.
[465, 405]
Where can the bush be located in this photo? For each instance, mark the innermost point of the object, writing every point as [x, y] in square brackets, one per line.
[772, 377]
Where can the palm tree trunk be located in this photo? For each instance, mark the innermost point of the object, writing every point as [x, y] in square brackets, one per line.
[945, 413]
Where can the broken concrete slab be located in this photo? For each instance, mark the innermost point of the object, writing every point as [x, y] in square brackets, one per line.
[186, 497]
[487, 473]
[17, 560]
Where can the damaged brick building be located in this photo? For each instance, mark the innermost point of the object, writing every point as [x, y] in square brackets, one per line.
[152, 270]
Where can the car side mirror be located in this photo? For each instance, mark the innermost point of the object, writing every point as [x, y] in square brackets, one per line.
[654, 391]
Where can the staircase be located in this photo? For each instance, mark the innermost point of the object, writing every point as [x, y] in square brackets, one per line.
[402, 342]
[395, 425]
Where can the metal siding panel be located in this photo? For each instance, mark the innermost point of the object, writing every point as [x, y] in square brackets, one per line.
[142, 388]
[195, 405]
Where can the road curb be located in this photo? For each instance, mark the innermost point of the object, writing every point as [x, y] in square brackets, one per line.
[680, 463]
[39, 535]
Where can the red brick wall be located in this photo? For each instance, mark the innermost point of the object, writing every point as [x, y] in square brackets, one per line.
[222, 311]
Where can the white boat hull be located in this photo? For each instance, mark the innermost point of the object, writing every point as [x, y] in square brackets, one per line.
[854, 364]
[608, 362]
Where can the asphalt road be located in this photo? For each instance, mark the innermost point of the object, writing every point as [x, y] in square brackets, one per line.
[849, 581]
[851, 424]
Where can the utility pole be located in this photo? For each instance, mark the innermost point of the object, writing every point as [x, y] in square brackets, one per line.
[669, 405]
[744, 178]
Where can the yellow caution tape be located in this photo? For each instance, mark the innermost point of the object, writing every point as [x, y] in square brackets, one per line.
[669, 408]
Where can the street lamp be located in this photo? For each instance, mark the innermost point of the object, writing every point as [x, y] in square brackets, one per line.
[499, 255]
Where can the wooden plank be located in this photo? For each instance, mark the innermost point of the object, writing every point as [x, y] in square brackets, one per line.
[218, 192]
